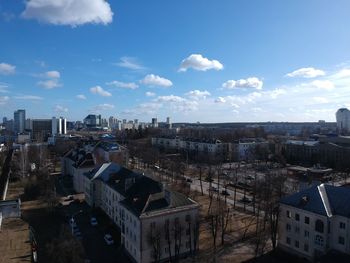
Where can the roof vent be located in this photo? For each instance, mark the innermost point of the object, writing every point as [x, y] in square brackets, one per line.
[304, 200]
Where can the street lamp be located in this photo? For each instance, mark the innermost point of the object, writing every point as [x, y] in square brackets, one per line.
[72, 219]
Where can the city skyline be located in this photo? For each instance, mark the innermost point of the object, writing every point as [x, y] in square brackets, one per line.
[227, 62]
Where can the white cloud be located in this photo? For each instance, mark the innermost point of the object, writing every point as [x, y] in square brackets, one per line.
[53, 80]
[130, 63]
[276, 92]
[69, 12]
[3, 88]
[81, 97]
[323, 84]
[220, 100]
[306, 73]
[148, 108]
[60, 109]
[320, 100]
[54, 74]
[252, 82]
[100, 91]
[124, 85]
[150, 94]
[178, 103]
[7, 69]
[198, 94]
[4, 100]
[28, 97]
[154, 80]
[103, 107]
[342, 73]
[49, 84]
[198, 62]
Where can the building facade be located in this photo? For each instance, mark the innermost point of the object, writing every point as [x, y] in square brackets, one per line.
[315, 221]
[19, 121]
[343, 120]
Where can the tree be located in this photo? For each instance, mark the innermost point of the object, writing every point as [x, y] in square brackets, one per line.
[65, 248]
[154, 239]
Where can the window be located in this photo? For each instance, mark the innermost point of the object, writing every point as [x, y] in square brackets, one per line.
[187, 231]
[341, 240]
[153, 225]
[297, 217]
[288, 227]
[288, 240]
[296, 243]
[319, 240]
[342, 225]
[306, 247]
[319, 226]
[289, 214]
[297, 229]
[306, 233]
[307, 220]
[188, 244]
[188, 218]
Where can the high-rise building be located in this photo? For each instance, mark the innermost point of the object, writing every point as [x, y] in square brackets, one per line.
[168, 122]
[41, 129]
[154, 123]
[343, 120]
[93, 121]
[4, 120]
[19, 120]
[58, 126]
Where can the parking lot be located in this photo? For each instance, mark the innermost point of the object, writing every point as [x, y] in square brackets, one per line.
[92, 237]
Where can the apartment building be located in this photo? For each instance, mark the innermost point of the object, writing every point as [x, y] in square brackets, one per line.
[315, 221]
[212, 147]
[155, 223]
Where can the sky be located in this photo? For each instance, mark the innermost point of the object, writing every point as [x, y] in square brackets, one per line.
[192, 60]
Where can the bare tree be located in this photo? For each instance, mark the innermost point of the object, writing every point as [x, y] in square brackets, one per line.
[154, 239]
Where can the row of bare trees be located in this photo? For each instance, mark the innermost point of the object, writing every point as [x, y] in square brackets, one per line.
[171, 235]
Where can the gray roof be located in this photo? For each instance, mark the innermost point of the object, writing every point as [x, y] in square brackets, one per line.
[326, 200]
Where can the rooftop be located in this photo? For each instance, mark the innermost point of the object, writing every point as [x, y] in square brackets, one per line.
[326, 200]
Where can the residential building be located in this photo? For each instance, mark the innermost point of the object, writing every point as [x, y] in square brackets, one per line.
[105, 151]
[154, 123]
[247, 149]
[145, 212]
[315, 221]
[42, 128]
[19, 121]
[192, 146]
[343, 120]
[93, 121]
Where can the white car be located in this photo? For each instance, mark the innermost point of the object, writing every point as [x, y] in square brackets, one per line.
[109, 240]
[93, 221]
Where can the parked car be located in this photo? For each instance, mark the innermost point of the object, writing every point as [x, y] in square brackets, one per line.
[188, 180]
[224, 192]
[213, 189]
[93, 221]
[245, 199]
[69, 198]
[108, 239]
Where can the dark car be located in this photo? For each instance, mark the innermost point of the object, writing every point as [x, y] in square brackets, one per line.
[188, 180]
[224, 192]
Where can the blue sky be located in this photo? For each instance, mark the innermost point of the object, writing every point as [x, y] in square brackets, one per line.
[207, 61]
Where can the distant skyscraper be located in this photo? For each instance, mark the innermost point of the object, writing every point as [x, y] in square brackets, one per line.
[4, 120]
[154, 123]
[168, 122]
[343, 120]
[19, 121]
[58, 126]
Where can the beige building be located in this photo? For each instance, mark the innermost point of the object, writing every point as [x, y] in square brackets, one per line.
[155, 223]
[315, 222]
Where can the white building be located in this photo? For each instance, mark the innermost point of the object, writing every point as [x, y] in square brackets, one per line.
[246, 149]
[143, 210]
[315, 221]
[343, 120]
[58, 126]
